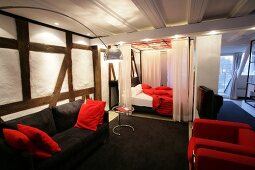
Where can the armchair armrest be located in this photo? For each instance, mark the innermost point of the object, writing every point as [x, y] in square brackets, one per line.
[11, 159]
[224, 147]
[217, 130]
[211, 159]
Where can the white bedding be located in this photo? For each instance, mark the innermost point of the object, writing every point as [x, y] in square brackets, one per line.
[142, 99]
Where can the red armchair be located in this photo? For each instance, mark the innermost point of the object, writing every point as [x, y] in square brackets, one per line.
[221, 145]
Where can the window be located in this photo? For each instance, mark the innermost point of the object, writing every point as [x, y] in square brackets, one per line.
[226, 71]
[252, 67]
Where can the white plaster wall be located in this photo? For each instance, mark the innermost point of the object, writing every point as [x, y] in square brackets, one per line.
[10, 84]
[44, 70]
[208, 49]
[45, 35]
[105, 81]
[23, 113]
[82, 69]
[7, 27]
[80, 40]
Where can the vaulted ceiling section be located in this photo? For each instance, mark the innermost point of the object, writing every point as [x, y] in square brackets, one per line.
[112, 17]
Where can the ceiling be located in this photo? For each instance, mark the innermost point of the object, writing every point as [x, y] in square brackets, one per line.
[114, 17]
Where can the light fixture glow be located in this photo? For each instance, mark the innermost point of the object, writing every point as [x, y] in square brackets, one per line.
[56, 23]
[213, 32]
[113, 54]
[120, 42]
[252, 28]
[146, 39]
[88, 34]
[176, 36]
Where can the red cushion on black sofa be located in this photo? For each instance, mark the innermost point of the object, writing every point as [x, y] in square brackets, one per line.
[39, 138]
[20, 141]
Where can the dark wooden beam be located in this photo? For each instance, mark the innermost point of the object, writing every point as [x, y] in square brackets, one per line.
[47, 48]
[8, 43]
[69, 42]
[82, 47]
[97, 72]
[23, 47]
[23, 105]
[60, 80]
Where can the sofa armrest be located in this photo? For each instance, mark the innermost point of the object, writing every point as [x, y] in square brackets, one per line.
[106, 117]
[217, 130]
[12, 159]
[211, 159]
[224, 147]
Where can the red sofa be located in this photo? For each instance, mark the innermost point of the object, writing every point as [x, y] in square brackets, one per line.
[221, 145]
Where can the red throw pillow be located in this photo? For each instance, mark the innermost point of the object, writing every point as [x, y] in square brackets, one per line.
[146, 86]
[88, 117]
[163, 88]
[41, 139]
[19, 140]
[102, 106]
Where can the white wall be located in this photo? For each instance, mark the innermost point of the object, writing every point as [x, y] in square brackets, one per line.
[105, 81]
[82, 69]
[80, 40]
[7, 27]
[44, 70]
[44, 67]
[207, 54]
[10, 84]
[45, 35]
[208, 61]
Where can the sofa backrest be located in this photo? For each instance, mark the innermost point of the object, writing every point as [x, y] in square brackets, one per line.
[65, 116]
[42, 120]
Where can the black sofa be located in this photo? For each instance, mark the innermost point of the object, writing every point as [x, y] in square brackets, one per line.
[208, 103]
[58, 122]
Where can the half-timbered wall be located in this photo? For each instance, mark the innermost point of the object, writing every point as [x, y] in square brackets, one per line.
[42, 67]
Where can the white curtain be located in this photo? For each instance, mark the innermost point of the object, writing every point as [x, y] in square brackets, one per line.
[233, 82]
[180, 77]
[125, 77]
[151, 70]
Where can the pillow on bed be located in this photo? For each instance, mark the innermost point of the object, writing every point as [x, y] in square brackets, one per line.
[163, 88]
[137, 89]
[146, 86]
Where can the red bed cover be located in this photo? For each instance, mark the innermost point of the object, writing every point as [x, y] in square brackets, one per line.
[162, 100]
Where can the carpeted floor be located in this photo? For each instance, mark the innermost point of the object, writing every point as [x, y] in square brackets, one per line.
[155, 145]
[232, 112]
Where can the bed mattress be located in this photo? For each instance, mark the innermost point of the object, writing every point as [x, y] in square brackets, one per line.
[142, 99]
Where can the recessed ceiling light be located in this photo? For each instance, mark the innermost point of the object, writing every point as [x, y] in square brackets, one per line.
[88, 34]
[213, 32]
[146, 39]
[252, 28]
[56, 23]
[176, 36]
[120, 42]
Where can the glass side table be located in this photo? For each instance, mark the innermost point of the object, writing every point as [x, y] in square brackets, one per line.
[122, 110]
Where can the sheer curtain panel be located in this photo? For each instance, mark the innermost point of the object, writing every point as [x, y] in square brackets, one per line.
[125, 76]
[180, 77]
[151, 69]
